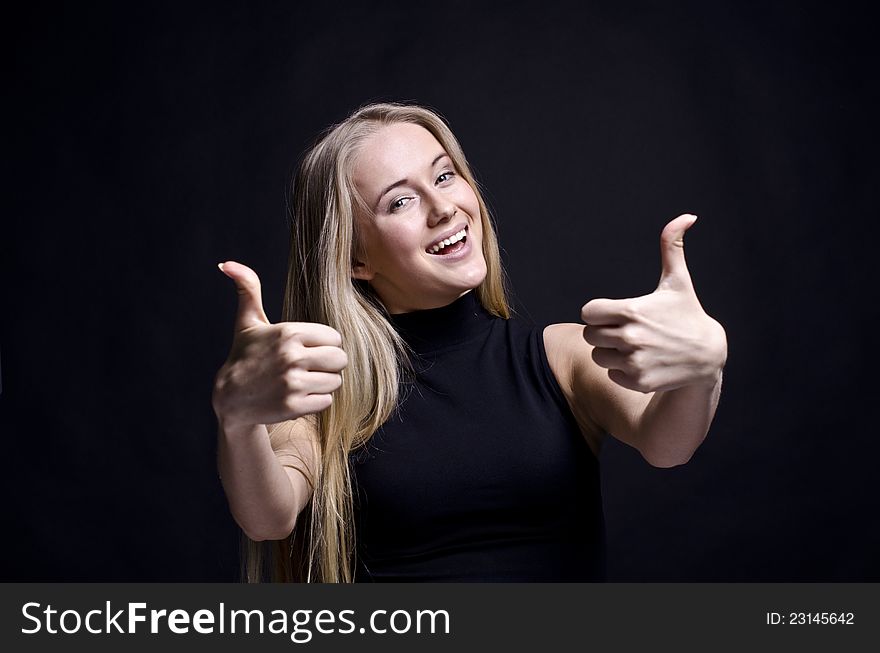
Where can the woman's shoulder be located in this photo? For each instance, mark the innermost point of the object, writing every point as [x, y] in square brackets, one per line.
[560, 341]
[569, 358]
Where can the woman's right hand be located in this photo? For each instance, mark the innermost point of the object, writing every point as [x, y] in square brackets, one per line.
[274, 372]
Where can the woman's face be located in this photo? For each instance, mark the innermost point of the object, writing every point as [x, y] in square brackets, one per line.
[418, 201]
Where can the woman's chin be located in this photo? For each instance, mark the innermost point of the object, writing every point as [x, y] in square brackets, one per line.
[435, 290]
[473, 278]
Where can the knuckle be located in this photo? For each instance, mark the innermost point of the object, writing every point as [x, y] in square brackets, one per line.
[631, 311]
[221, 379]
[637, 362]
[291, 404]
[233, 378]
[293, 381]
[287, 331]
[642, 382]
[637, 337]
[290, 354]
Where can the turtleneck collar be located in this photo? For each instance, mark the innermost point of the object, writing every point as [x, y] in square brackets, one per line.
[434, 329]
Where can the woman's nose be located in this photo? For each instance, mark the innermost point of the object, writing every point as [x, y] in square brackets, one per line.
[441, 209]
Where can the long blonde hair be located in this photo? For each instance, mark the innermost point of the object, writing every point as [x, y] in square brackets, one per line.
[320, 288]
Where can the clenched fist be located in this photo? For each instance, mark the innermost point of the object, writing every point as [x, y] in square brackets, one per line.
[274, 372]
[660, 341]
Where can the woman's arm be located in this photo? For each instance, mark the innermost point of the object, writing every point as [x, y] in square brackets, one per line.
[267, 476]
[666, 427]
[277, 374]
[647, 370]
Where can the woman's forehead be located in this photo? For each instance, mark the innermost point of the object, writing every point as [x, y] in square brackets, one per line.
[394, 152]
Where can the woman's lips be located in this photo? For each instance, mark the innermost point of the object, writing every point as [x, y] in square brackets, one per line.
[458, 233]
[454, 252]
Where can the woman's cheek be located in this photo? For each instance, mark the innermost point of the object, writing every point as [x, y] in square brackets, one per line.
[405, 242]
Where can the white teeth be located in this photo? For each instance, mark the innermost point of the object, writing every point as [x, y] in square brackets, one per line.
[448, 241]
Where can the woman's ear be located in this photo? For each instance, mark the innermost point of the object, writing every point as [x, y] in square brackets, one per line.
[361, 270]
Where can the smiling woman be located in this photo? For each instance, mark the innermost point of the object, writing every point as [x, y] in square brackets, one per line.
[398, 425]
[420, 247]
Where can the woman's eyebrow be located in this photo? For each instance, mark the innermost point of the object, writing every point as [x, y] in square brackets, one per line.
[402, 182]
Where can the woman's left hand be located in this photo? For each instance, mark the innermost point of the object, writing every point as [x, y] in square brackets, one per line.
[660, 341]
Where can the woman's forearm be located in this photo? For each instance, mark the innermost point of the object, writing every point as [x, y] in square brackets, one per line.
[675, 422]
[260, 494]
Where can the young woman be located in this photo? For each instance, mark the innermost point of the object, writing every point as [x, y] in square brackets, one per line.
[399, 424]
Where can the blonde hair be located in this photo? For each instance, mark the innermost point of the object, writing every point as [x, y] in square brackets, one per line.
[320, 288]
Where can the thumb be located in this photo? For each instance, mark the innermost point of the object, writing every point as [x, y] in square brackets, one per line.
[674, 272]
[250, 299]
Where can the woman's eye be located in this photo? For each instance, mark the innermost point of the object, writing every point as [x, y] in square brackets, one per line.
[399, 203]
[446, 176]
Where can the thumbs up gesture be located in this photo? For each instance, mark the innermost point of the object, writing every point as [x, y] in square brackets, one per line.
[663, 340]
[274, 372]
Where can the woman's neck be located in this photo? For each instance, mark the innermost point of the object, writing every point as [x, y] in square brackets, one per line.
[438, 328]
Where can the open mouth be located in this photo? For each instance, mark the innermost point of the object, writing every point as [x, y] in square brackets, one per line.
[455, 243]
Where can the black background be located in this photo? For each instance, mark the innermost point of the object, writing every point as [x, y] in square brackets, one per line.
[149, 142]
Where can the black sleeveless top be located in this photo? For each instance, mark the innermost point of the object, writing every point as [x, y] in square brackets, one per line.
[482, 474]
